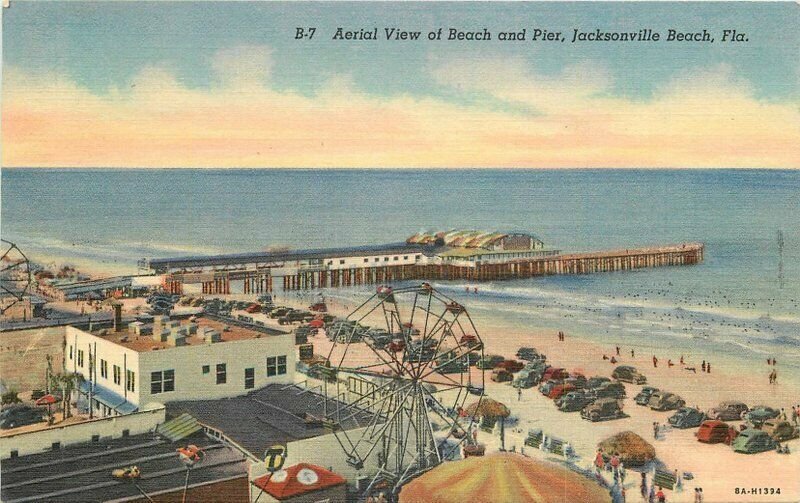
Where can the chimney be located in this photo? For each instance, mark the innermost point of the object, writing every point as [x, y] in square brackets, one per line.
[117, 317]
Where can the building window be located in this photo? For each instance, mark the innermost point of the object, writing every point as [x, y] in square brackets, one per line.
[117, 374]
[55, 446]
[206, 369]
[249, 378]
[70, 352]
[341, 261]
[222, 373]
[405, 257]
[276, 365]
[80, 358]
[103, 369]
[366, 260]
[95, 438]
[330, 262]
[130, 380]
[377, 259]
[396, 259]
[385, 259]
[126, 433]
[14, 454]
[162, 382]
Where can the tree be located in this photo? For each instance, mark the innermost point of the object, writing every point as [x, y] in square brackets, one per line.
[66, 383]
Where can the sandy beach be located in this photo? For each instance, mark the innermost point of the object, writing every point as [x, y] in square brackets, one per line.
[716, 468]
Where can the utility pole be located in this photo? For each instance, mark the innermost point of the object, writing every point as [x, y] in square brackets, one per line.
[780, 258]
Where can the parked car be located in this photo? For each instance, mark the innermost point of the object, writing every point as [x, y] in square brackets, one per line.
[596, 381]
[525, 379]
[452, 363]
[547, 386]
[643, 397]
[610, 390]
[603, 409]
[511, 365]
[780, 430]
[560, 389]
[728, 411]
[664, 400]
[278, 312]
[502, 375]
[575, 400]
[759, 414]
[530, 354]
[489, 362]
[577, 380]
[713, 431]
[751, 441]
[626, 373]
[687, 417]
[471, 341]
[554, 373]
[253, 308]
[19, 415]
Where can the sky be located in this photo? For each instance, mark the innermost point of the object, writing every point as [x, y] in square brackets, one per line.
[225, 84]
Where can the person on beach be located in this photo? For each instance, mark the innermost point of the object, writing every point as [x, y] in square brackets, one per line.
[632, 354]
[796, 414]
[599, 461]
[669, 363]
[703, 366]
[519, 394]
[696, 495]
[643, 486]
[614, 360]
[678, 482]
[662, 498]
[681, 359]
[617, 350]
[708, 367]
[655, 361]
[651, 497]
[655, 430]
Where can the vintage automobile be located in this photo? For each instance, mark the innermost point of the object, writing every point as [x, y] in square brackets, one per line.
[780, 430]
[751, 441]
[643, 397]
[575, 401]
[489, 362]
[525, 379]
[469, 340]
[577, 380]
[728, 411]
[19, 415]
[530, 354]
[610, 390]
[664, 400]
[713, 431]
[759, 414]
[687, 417]
[603, 409]
[547, 386]
[278, 312]
[452, 363]
[502, 375]
[560, 389]
[511, 365]
[629, 374]
[554, 373]
[594, 382]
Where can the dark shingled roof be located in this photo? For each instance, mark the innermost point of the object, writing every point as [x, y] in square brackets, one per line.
[274, 414]
[82, 473]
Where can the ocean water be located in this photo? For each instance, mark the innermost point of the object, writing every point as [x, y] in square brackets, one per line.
[735, 301]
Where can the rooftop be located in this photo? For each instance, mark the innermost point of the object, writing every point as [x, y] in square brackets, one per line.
[228, 330]
[274, 414]
[476, 252]
[163, 264]
[83, 472]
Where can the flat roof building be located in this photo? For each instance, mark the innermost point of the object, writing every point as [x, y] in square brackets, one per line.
[167, 360]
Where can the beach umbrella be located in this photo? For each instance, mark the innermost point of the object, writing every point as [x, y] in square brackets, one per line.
[633, 450]
[488, 407]
[318, 323]
[501, 477]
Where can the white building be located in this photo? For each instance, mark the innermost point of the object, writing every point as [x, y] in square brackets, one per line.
[168, 360]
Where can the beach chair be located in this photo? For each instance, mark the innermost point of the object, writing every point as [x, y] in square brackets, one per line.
[534, 438]
[665, 479]
[557, 446]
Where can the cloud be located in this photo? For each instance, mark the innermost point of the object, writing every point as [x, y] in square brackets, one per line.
[709, 119]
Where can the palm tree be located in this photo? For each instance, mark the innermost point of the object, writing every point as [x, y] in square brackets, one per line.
[67, 383]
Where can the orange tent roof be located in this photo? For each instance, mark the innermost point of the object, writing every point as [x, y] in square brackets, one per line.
[501, 478]
[297, 479]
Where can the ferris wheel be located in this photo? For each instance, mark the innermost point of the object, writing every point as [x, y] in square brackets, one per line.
[412, 369]
[15, 275]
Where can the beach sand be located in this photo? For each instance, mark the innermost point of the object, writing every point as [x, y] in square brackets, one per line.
[716, 468]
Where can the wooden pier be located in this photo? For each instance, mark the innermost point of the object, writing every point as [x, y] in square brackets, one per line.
[305, 278]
